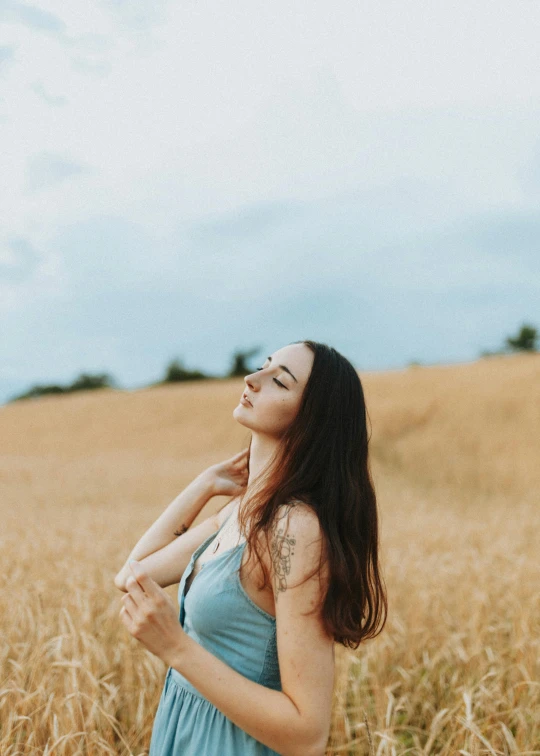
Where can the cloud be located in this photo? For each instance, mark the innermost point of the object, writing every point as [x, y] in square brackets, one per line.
[137, 14]
[247, 222]
[131, 300]
[514, 237]
[48, 168]
[26, 260]
[108, 253]
[92, 42]
[386, 240]
[32, 17]
[93, 67]
[56, 101]
[7, 54]
[265, 170]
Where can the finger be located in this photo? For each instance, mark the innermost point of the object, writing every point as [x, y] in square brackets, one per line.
[135, 590]
[129, 604]
[125, 616]
[129, 622]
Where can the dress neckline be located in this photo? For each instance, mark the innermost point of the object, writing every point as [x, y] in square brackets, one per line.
[201, 548]
[243, 591]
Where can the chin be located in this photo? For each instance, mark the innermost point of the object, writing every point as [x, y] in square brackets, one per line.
[238, 415]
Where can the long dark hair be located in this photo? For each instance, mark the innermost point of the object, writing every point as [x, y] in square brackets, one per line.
[322, 461]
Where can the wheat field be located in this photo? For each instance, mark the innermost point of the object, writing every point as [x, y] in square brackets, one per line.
[455, 457]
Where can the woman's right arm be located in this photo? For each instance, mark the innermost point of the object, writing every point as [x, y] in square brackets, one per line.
[167, 565]
[172, 523]
[166, 548]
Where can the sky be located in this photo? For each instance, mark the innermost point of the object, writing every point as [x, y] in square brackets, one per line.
[188, 179]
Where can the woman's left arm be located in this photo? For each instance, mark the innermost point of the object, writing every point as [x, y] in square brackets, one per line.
[294, 721]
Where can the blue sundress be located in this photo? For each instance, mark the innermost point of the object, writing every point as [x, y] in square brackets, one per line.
[218, 614]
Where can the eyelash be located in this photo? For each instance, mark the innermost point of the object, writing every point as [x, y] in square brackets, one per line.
[276, 380]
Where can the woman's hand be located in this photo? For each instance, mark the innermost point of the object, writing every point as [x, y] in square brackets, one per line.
[150, 616]
[229, 478]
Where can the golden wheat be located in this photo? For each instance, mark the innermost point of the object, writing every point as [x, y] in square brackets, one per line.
[455, 459]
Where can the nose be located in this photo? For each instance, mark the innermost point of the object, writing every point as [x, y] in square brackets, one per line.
[249, 381]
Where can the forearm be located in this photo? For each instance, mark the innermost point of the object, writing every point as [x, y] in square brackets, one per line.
[176, 519]
[268, 715]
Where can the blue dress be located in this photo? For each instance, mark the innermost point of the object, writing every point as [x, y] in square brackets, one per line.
[218, 614]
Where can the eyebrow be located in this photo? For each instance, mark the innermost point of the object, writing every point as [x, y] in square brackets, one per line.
[284, 368]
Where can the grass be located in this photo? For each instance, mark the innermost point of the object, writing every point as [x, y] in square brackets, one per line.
[455, 455]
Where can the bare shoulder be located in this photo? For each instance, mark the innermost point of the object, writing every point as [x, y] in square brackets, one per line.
[296, 544]
[297, 517]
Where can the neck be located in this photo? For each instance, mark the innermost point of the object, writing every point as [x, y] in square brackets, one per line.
[261, 451]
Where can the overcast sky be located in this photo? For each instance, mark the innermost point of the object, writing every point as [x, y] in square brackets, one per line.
[182, 179]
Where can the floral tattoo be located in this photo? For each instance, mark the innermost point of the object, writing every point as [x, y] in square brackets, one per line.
[281, 551]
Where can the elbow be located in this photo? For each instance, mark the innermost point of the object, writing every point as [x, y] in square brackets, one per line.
[320, 748]
[308, 749]
[119, 582]
[310, 736]
[312, 745]
[317, 742]
[317, 749]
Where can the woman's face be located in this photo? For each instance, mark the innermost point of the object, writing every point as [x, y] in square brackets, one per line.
[275, 391]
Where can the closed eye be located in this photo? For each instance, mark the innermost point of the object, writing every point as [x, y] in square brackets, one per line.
[276, 380]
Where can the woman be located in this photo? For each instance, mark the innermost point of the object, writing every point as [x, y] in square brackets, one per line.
[285, 570]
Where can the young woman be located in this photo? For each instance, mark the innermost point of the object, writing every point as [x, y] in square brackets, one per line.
[285, 570]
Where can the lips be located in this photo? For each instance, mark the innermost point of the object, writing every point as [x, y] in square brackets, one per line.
[244, 397]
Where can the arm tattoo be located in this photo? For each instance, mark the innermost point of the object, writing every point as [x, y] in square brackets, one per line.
[281, 551]
[182, 530]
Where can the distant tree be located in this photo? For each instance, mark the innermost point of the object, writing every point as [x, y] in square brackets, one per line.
[177, 372]
[525, 341]
[238, 363]
[84, 382]
[38, 390]
[492, 353]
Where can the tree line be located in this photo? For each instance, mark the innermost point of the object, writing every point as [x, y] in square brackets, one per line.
[525, 340]
[175, 372]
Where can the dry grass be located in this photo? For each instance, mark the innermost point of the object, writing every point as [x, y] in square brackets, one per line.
[455, 458]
